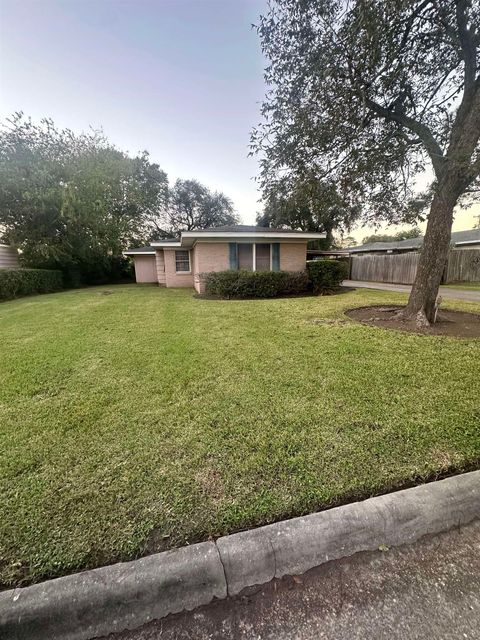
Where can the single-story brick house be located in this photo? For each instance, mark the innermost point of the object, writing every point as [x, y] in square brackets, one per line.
[180, 262]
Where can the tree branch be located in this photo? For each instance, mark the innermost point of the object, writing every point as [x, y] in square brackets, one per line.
[422, 131]
[437, 89]
[467, 40]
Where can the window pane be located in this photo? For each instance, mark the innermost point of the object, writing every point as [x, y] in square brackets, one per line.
[262, 257]
[182, 261]
[245, 256]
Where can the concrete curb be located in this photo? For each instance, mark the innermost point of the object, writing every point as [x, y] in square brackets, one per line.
[126, 595]
[120, 596]
[294, 546]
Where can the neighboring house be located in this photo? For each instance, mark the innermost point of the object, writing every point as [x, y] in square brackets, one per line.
[8, 256]
[460, 240]
[181, 262]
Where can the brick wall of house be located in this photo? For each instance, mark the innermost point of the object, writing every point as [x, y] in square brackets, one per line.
[214, 256]
[209, 256]
[172, 278]
[293, 257]
[160, 261]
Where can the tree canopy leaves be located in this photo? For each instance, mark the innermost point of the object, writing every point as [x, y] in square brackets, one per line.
[365, 92]
[310, 205]
[191, 206]
[75, 202]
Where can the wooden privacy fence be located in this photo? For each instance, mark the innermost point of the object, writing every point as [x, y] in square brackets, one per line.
[400, 268]
[463, 265]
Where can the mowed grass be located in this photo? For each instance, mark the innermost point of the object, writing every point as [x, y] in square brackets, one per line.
[144, 419]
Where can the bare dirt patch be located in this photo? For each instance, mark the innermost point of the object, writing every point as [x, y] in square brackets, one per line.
[459, 324]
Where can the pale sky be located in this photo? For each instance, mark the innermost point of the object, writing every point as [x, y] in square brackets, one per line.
[180, 78]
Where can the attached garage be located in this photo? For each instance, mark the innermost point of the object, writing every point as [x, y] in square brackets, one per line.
[145, 264]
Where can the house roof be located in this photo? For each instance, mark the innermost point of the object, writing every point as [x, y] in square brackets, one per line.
[248, 232]
[459, 238]
[139, 250]
[472, 236]
[411, 243]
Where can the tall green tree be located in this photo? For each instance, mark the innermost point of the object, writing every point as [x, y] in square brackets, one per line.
[74, 202]
[348, 241]
[405, 234]
[309, 205]
[191, 206]
[370, 93]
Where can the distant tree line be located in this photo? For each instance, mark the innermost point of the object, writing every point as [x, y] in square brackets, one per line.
[404, 234]
[309, 204]
[75, 202]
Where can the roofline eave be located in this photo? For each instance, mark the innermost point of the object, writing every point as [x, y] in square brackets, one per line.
[254, 234]
[138, 253]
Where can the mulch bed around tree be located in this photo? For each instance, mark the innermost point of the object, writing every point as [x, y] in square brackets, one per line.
[457, 324]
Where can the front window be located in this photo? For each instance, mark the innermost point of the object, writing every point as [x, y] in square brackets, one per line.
[245, 256]
[262, 257]
[182, 261]
[254, 257]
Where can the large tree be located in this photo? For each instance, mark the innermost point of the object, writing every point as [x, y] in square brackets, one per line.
[191, 205]
[371, 93]
[309, 205]
[73, 202]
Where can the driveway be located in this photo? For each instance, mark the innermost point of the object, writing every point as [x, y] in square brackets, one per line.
[430, 589]
[446, 292]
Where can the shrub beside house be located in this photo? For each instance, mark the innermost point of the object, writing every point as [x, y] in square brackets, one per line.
[255, 284]
[325, 276]
[15, 283]
[321, 277]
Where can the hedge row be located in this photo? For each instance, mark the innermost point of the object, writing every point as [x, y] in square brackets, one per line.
[255, 284]
[15, 283]
[326, 275]
[322, 276]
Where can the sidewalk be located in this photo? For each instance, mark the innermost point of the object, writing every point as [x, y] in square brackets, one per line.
[430, 589]
[446, 292]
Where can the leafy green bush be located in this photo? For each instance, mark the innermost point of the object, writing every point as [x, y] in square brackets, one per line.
[24, 282]
[326, 275]
[255, 284]
[105, 270]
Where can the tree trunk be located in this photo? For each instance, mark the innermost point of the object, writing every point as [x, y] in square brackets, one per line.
[422, 304]
[328, 237]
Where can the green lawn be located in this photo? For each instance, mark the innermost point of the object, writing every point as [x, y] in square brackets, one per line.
[145, 419]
